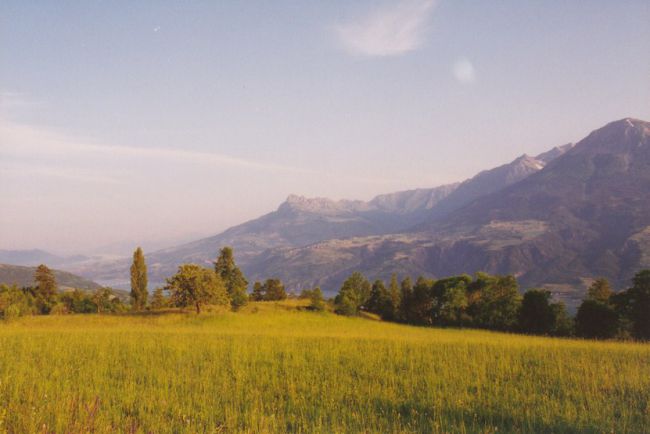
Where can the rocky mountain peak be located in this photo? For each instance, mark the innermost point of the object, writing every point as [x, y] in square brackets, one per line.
[552, 154]
[321, 205]
[618, 136]
[528, 161]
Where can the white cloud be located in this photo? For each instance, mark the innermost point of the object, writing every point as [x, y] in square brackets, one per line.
[388, 31]
[463, 71]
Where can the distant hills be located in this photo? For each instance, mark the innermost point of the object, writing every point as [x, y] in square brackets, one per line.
[36, 257]
[558, 219]
[24, 276]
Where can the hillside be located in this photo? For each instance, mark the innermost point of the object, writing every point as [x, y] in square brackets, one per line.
[24, 276]
[28, 257]
[299, 221]
[491, 181]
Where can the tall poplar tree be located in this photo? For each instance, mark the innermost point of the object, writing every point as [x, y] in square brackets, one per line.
[138, 280]
[232, 277]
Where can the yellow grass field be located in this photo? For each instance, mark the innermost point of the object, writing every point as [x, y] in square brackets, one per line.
[273, 368]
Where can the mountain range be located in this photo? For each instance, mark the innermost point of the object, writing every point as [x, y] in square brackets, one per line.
[558, 220]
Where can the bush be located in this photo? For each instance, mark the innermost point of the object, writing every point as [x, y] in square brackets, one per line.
[59, 309]
[12, 311]
[317, 302]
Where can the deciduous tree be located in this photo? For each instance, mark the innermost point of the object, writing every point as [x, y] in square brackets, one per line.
[158, 300]
[317, 302]
[196, 286]
[353, 295]
[600, 290]
[273, 290]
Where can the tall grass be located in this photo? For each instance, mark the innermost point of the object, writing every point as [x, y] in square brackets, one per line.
[272, 368]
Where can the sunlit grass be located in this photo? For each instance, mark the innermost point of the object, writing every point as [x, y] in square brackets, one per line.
[272, 368]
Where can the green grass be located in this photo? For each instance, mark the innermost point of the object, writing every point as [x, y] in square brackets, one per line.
[272, 368]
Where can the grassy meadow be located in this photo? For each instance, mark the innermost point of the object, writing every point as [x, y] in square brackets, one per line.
[274, 368]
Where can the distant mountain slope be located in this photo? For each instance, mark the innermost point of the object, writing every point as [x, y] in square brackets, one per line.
[24, 276]
[36, 257]
[493, 180]
[594, 200]
[24, 257]
[586, 214]
[300, 222]
[297, 222]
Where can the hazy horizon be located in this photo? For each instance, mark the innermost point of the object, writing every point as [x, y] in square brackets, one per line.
[154, 122]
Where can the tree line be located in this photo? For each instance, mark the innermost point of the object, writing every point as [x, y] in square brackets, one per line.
[44, 298]
[495, 303]
[193, 286]
[483, 301]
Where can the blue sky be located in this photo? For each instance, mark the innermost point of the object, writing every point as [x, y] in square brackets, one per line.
[153, 122]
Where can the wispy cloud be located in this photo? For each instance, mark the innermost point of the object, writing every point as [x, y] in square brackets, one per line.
[389, 30]
[463, 71]
[25, 141]
[69, 173]
[20, 139]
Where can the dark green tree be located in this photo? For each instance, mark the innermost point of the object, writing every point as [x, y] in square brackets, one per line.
[639, 305]
[451, 301]
[379, 300]
[78, 301]
[158, 300]
[353, 295]
[564, 324]
[317, 302]
[258, 292]
[495, 302]
[597, 316]
[139, 291]
[196, 286]
[600, 290]
[232, 277]
[273, 290]
[537, 315]
[406, 294]
[395, 295]
[596, 319]
[418, 308]
[46, 288]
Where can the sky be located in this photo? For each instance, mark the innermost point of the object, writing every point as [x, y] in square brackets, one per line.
[155, 122]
